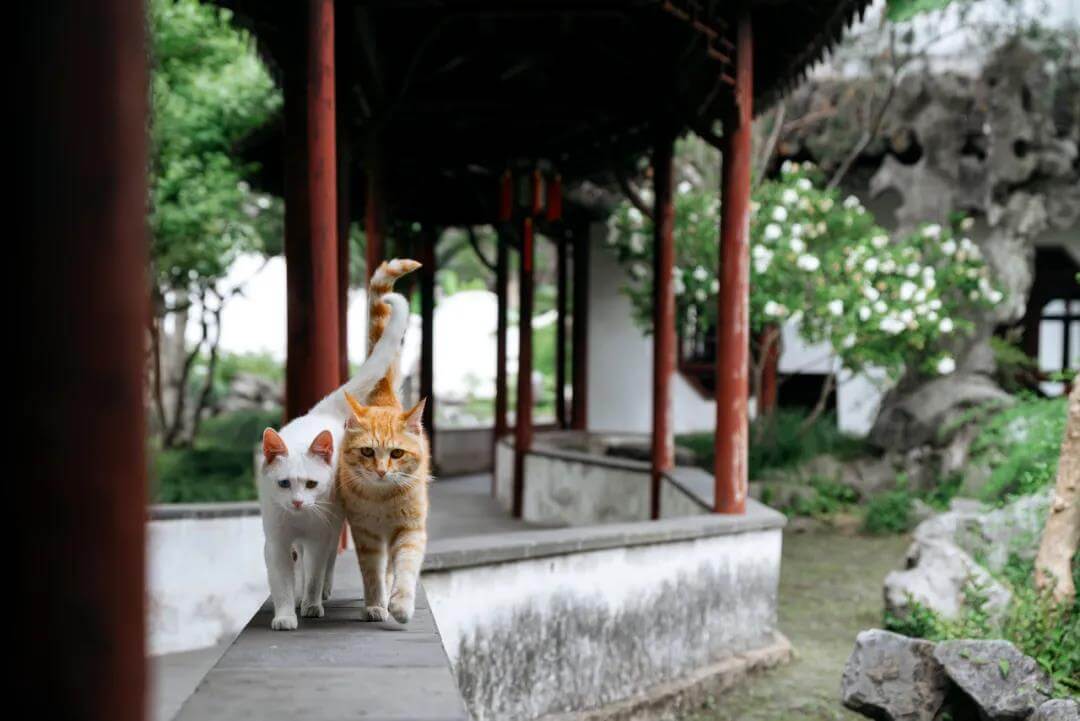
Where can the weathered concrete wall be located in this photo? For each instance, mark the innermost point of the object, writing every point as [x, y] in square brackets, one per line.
[568, 629]
[206, 577]
[463, 450]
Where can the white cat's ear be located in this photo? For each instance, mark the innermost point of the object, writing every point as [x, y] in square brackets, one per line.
[323, 447]
[415, 416]
[273, 446]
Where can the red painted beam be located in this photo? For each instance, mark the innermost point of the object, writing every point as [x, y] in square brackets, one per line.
[663, 439]
[523, 422]
[313, 364]
[579, 362]
[733, 326]
[80, 502]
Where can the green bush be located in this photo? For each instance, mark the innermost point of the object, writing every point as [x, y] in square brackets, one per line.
[828, 497]
[1021, 445]
[1047, 631]
[218, 467]
[782, 443]
[889, 513]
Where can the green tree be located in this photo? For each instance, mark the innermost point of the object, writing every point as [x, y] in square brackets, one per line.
[209, 91]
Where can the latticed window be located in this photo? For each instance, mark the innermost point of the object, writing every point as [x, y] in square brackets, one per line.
[1059, 340]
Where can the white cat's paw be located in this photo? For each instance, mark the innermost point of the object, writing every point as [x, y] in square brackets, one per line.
[373, 613]
[283, 623]
[328, 588]
[312, 610]
[402, 608]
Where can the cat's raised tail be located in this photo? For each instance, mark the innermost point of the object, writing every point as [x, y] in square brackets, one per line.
[383, 393]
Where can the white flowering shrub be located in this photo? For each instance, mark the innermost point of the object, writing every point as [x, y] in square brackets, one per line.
[894, 303]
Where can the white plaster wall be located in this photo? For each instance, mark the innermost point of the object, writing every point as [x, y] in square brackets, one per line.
[620, 359]
[727, 583]
[205, 579]
[581, 494]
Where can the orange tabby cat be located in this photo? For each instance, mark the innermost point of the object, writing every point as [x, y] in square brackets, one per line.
[382, 479]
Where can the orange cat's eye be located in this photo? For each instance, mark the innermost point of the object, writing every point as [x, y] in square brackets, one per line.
[397, 453]
[368, 452]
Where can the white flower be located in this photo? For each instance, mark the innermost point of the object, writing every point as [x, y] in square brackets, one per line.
[714, 287]
[774, 309]
[836, 307]
[789, 197]
[946, 365]
[995, 296]
[888, 265]
[849, 341]
[871, 293]
[700, 273]
[932, 231]
[637, 242]
[787, 167]
[685, 187]
[911, 270]
[879, 241]
[772, 231]
[864, 313]
[700, 295]
[967, 223]
[779, 214]
[680, 286]
[635, 216]
[892, 325]
[851, 202]
[946, 325]
[754, 206]
[826, 205]
[948, 247]
[920, 295]
[880, 306]
[871, 265]
[763, 260]
[935, 304]
[907, 290]
[263, 202]
[907, 316]
[804, 184]
[646, 196]
[638, 270]
[808, 262]
[797, 245]
[796, 229]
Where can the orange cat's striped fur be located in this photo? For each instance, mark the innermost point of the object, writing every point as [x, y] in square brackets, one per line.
[382, 480]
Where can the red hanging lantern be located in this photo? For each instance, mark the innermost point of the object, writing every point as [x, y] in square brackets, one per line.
[554, 199]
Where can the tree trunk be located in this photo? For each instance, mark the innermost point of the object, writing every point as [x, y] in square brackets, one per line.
[1060, 538]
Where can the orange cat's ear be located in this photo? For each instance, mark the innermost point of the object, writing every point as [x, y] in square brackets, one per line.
[273, 446]
[323, 447]
[414, 416]
[357, 407]
[352, 423]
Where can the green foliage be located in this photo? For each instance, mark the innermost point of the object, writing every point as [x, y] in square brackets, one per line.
[219, 467]
[1047, 631]
[1021, 445]
[782, 443]
[1014, 366]
[893, 303]
[902, 10]
[209, 91]
[828, 497]
[889, 513]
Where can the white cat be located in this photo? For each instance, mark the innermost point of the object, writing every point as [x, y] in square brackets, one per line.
[296, 485]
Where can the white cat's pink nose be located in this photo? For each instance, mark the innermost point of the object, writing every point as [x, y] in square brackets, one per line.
[298, 504]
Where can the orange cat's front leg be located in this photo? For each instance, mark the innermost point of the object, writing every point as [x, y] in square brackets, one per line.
[406, 558]
[371, 554]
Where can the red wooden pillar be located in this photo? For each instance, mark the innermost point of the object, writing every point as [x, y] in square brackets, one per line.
[579, 362]
[560, 332]
[770, 366]
[502, 274]
[313, 364]
[733, 326]
[523, 418]
[663, 440]
[80, 503]
[427, 343]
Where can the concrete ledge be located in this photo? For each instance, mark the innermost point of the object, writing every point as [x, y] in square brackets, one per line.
[176, 511]
[684, 696]
[507, 547]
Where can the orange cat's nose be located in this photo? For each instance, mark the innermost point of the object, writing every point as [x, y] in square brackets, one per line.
[381, 472]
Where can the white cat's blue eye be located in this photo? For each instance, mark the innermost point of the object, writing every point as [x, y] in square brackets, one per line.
[283, 483]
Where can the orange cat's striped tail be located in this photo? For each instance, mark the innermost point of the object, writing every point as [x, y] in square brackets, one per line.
[382, 282]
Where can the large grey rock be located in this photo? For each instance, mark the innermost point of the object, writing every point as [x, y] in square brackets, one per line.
[914, 419]
[1002, 682]
[939, 575]
[893, 677]
[1060, 709]
[1015, 529]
